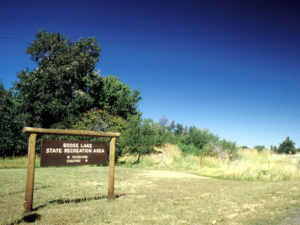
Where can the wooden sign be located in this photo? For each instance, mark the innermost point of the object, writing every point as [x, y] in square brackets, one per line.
[87, 149]
[69, 153]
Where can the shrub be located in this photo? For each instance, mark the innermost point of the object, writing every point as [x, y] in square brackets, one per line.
[287, 146]
[259, 147]
[189, 149]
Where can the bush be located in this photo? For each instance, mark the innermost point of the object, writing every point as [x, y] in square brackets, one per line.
[193, 150]
[204, 143]
[228, 146]
[259, 147]
[287, 146]
[189, 149]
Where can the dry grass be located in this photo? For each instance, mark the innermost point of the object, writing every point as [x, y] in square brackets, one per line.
[77, 195]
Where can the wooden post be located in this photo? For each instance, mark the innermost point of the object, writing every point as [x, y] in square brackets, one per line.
[30, 173]
[111, 182]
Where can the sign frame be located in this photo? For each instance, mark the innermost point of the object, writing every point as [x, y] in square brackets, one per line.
[32, 131]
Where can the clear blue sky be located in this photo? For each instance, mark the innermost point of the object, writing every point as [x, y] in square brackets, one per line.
[232, 67]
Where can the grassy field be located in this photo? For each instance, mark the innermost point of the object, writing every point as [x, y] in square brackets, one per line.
[78, 195]
[164, 188]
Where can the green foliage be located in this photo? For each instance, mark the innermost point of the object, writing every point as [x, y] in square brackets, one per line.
[12, 142]
[204, 143]
[117, 98]
[287, 146]
[275, 149]
[139, 137]
[189, 149]
[228, 146]
[100, 120]
[64, 85]
[200, 138]
[57, 90]
[259, 147]
[193, 150]
[171, 132]
[298, 150]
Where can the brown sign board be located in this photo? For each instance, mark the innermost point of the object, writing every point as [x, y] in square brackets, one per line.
[70, 153]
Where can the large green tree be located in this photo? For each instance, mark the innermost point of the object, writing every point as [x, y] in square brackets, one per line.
[64, 85]
[58, 88]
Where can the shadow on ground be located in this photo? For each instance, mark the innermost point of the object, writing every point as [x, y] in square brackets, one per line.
[33, 217]
[30, 218]
[77, 200]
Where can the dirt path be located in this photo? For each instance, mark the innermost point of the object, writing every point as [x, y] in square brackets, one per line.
[292, 218]
[170, 174]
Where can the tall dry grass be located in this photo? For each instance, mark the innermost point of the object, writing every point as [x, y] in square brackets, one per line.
[250, 165]
[253, 165]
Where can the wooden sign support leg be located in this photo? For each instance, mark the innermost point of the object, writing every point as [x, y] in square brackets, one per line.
[30, 174]
[111, 182]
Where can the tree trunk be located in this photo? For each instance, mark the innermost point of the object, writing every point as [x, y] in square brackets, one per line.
[138, 159]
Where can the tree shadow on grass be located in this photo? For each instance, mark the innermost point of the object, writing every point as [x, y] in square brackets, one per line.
[29, 218]
[77, 200]
[32, 217]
